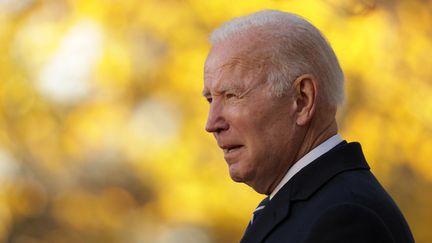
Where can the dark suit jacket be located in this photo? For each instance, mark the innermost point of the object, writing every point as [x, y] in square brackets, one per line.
[333, 199]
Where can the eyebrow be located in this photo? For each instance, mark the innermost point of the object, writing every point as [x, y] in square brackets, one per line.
[230, 85]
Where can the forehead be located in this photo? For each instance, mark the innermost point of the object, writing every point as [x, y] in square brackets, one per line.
[231, 64]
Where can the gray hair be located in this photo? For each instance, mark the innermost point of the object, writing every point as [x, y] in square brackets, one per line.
[296, 48]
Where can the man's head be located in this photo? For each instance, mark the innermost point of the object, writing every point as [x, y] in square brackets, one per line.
[273, 83]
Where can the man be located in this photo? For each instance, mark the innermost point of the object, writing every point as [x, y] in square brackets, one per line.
[274, 84]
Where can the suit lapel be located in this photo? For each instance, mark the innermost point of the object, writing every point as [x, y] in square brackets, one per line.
[273, 214]
[343, 157]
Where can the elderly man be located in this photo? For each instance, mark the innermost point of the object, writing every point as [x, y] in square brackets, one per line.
[274, 85]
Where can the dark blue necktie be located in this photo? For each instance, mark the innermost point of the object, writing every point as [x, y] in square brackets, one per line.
[258, 211]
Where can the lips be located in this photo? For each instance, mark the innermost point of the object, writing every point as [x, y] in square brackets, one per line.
[229, 148]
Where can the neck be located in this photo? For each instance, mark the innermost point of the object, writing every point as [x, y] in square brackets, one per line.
[315, 134]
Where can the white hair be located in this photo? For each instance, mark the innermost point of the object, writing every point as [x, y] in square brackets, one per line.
[296, 48]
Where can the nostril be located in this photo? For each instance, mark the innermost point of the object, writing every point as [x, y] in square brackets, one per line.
[218, 130]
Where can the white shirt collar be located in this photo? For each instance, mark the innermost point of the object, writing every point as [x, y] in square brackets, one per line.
[307, 159]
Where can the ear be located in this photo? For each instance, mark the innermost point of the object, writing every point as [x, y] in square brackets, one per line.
[305, 94]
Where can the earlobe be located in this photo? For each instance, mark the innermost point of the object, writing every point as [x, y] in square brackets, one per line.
[305, 93]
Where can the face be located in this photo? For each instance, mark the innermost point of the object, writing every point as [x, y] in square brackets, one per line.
[255, 130]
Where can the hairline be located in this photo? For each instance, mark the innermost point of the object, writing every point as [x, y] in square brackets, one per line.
[270, 24]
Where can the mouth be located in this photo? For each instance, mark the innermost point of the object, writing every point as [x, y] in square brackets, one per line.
[231, 148]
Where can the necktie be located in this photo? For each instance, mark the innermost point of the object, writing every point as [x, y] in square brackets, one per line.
[257, 212]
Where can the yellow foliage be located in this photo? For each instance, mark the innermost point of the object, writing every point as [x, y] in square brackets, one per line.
[102, 115]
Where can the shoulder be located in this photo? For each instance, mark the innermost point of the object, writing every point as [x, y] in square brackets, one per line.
[354, 207]
[357, 186]
[349, 222]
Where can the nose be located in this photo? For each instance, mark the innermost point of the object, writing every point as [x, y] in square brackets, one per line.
[216, 121]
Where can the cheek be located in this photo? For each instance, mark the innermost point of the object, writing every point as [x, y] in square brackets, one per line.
[271, 141]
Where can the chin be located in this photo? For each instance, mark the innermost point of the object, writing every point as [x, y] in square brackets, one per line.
[235, 177]
[247, 178]
[256, 187]
[236, 173]
[241, 175]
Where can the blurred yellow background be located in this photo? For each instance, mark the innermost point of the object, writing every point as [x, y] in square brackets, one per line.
[102, 121]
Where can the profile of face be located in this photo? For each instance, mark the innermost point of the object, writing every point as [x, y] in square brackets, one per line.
[255, 130]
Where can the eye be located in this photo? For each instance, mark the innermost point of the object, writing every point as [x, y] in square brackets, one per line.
[209, 100]
[230, 95]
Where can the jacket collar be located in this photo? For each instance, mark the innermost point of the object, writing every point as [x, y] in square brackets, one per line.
[344, 157]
